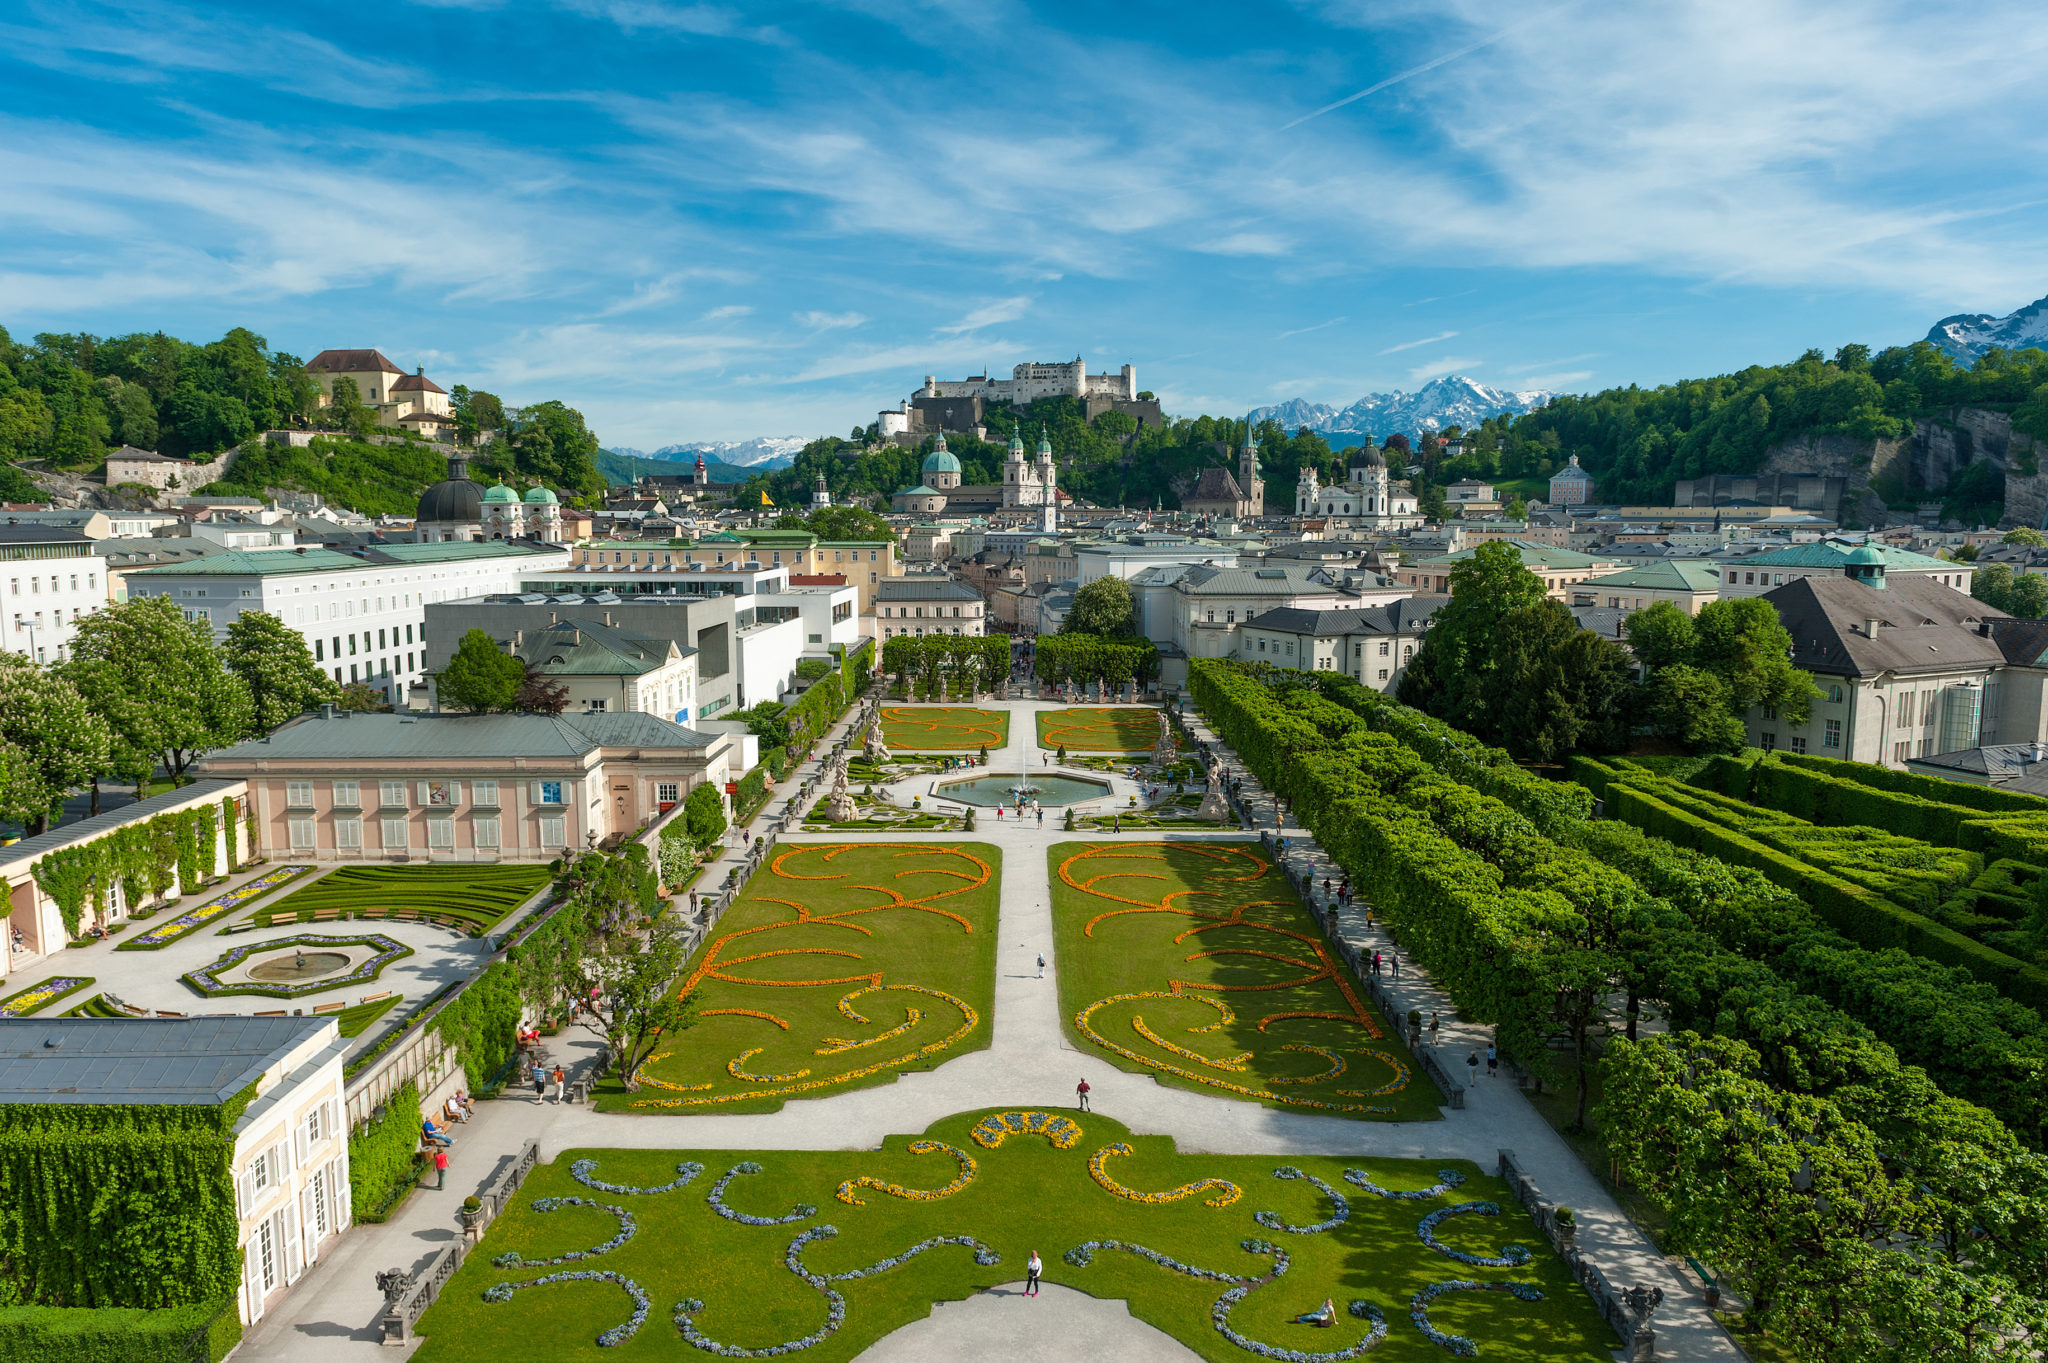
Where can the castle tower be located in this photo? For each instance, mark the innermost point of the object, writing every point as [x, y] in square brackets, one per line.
[543, 515]
[502, 513]
[700, 476]
[820, 499]
[1248, 480]
[1013, 472]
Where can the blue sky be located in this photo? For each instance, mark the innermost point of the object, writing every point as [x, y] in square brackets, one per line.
[708, 221]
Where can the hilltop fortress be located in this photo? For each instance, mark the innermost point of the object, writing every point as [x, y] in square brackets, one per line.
[958, 405]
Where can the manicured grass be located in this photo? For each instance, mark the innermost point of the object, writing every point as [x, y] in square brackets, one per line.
[42, 994]
[357, 1017]
[1123, 728]
[474, 898]
[841, 965]
[1207, 948]
[943, 728]
[1024, 1195]
[96, 1007]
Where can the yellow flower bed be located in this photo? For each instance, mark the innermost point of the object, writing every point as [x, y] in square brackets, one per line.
[967, 1171]
[1226, 1191]
[992, 1130]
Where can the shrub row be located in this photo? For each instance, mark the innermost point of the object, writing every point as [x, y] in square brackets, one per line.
[381, 1157]
[1860, 914]
[118, 1334]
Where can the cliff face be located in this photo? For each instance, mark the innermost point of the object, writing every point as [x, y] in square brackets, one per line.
[1942, 445]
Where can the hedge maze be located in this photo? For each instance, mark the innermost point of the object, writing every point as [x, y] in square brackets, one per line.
[471, 898]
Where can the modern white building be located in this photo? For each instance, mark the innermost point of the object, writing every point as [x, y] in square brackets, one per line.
[363, 614]
[1133, 554]
[54, 578]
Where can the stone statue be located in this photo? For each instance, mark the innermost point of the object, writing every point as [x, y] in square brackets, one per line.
[839, 805]
[1214, 804]
[875, 751]
[1163, 751]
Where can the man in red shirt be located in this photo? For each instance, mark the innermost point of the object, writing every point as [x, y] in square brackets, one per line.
[1080, 1093]
[441, 1167]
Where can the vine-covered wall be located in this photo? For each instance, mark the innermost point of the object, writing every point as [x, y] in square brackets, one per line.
[380, 1156]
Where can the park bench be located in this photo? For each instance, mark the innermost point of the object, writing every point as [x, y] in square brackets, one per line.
[335, 1007]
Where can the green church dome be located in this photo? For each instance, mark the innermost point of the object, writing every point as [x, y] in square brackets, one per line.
[498, 492]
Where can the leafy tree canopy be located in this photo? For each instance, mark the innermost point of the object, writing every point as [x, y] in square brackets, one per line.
[272, 660]
[1103, 606]
[160, 683]
[481, 677]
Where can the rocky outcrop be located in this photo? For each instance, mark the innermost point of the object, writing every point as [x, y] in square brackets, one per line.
[1942, 445]
[1842, 456]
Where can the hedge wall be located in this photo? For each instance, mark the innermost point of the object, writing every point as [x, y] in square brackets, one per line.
[482, 1023]
[118, 1206]
[381, 1162]
[115, 1334]
[1989, 799]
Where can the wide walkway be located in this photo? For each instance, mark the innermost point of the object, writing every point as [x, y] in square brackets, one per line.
[1029, 1063]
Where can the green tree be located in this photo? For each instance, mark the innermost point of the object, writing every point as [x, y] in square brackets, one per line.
[1516, 509]
[1741, 642]
[24, 418]
[131, 412]
[848, 523]
[345, 411]
[1556, 687]
[60, 743]
[550, 443]
[1103, 607]
[273, 662]
[475, 412]
[1431, 502]
[2027, 535]
[360, 697]
[704, 814]
[1661, 636]
[481, 677]
[1692, 707]
[205, 422]
[160, 683]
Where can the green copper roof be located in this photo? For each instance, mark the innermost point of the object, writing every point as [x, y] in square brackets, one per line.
[1534, 555]
[1667, 576]
[1835, 554]
[498, 492]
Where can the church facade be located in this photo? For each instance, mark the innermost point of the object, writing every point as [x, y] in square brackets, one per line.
[1368, 499]
[1216, 493]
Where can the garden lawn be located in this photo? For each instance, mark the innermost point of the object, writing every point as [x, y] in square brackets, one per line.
[841, 965]
[1025, 1194]
[1197, 962]
[355, 1019]
[943, 728]
[38, 996]
[1124, 728]
[474, 898]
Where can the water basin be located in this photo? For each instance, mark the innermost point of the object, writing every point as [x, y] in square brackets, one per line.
[300, 966]
[1048, 789]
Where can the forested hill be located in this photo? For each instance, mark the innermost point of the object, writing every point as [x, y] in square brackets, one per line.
[1639, 441]
[66, 400]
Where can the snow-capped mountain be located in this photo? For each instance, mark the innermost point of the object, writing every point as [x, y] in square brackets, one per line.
[1450, 401]
[762, 452]
[1969, 334]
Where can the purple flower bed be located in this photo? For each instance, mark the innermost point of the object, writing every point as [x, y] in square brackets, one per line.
[1418, 1309]
[800, 1212]
[1447, 1179]
[1514, 1256]
[1272, 1221]
[163, 934]
[207, 980]
[835, 1304]
[583, 1172]
[618, 1334]
[21, 1004]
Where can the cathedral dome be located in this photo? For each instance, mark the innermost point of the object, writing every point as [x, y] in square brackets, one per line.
[941, 460]
[1369, 457]
[1044, 444]
[540, 496]
[500, 493]
[455, 499]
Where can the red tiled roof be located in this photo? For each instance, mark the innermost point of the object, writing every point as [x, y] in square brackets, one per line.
[351, 362]
[417, 383]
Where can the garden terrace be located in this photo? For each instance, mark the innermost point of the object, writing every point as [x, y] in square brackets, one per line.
[1197, 962]
[1122, 729]
[471, 898]
[822, 1253]
[943, 728]
[840, 965]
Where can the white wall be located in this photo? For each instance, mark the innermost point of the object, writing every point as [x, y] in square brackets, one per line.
[291, 1171]
[46, 597]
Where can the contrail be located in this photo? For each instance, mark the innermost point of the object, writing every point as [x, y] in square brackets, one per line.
[1430, 65]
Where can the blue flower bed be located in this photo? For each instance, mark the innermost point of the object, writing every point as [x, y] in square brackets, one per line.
[1272, 1221]
[627, 1229]
[583, 1171]
[1514, 1256]
[802, 1211]
[618, 1334]
[1418, 1309]
[835, 1304]
[1447, 1179]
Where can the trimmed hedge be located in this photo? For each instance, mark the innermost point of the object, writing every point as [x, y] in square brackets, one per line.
[476, 896]
[116, 1334]
[1860, 914]
[382, 1157]
[1989, 799]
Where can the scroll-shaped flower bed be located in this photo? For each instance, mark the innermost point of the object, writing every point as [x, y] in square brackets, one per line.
[1272, 1221]
[618, 1334]
[1418, 1309]
[584, 1170]
[627, 1227]
[1225, 1191]
[991, 1130]
[802, 1211]
[967, 1167]
[1514, 1256]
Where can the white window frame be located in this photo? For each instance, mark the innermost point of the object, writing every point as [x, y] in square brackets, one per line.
[301, 828]
[397, 824]
[554, 831]
[441, 833]
[391, 795]
[298, 794]
[348, 794]
[483, 829]
[483, 792]
[348, 833]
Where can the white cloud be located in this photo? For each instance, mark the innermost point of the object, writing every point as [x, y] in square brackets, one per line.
[829, 321]
[1411, 345]
[1554, 382]
[730, 310]
[1448, 364]
[1245, 244]
[988, 315]
[1550, 364]
[1303, 331]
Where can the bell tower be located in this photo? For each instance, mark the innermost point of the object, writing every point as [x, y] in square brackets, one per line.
[1248, 480]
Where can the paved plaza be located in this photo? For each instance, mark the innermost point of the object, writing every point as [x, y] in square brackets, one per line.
[332, 1314]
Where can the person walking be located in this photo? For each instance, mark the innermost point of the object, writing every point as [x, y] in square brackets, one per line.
[1081, 1092]
[1394, 964]
[561, 1078]
[1375, 964]
[1041, 965]
[441, 1167]
[1434, 1020]
[540, 1084]
[1492, 1063]
[1041, 815]
[1472, 1066]
[1034, 1267]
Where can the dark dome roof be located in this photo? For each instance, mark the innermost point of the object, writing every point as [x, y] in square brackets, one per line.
[452, 499]
[1368, 455]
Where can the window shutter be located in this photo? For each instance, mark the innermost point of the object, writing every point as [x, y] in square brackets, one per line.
[425, 794]
[244, 1193]
[337, 1180]
[455, 792]
[533, 792]
[281, 1160]
[300, 1142]
[252, 1283]
[309, 1223]
[294, 1252]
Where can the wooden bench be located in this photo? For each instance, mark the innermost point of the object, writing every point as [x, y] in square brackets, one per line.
[277, 1014]
[334, 1007]
[372, 998]
[325, 915]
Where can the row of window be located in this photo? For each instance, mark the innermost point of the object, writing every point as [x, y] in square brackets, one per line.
[908, 612]
[891, 631]
[797, 557]
[35, 584]
[320, 646]
[394, 832]
[431, 794]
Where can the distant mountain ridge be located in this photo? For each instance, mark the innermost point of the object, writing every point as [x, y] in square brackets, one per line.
[1968, 335]
[761, 453]
[1454, 400]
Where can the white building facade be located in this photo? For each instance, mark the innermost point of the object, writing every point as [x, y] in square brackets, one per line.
[54, 578]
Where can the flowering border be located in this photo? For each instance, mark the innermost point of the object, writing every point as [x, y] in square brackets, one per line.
[835, 1305]
[1226, 1191]
[992, 1130]
[1272, 1221]
[1511, 1256]
[163, 934]
[23, 1002]
[206, 979]
[1418, 1309]
[618, 1334]
[1242, 1287]
[732, 1067]
[802, 1211]
[968, 1168]
[583, 1169]
[628, 1228]
[1447, 1179]
[1402, 1076]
